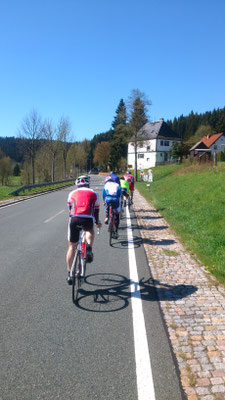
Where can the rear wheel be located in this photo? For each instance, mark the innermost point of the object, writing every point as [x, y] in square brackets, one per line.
[110, 230]
[76, 277]
[129, 203]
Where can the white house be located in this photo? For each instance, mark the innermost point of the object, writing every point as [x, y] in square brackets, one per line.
[158, 138]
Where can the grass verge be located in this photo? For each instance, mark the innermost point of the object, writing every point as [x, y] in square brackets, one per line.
[192, 199]
[15, 184]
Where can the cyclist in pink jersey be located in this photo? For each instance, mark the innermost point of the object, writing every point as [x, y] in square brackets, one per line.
[83, 211]
[130, 179]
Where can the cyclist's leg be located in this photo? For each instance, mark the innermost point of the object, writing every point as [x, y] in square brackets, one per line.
[106, 213]
[73, 236]
[88, 226]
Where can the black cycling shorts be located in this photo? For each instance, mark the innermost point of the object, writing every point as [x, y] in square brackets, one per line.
[74, 223]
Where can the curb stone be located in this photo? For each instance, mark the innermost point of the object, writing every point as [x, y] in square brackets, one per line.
[192, 303]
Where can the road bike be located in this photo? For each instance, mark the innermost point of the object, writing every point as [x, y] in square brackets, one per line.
[112, 224]
[78, 269]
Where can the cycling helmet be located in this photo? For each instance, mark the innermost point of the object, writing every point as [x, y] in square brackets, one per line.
[82, 181]
[108, 179]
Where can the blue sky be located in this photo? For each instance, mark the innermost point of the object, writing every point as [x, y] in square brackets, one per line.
[79, 58]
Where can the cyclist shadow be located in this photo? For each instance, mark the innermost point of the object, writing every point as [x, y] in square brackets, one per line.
[109, 292]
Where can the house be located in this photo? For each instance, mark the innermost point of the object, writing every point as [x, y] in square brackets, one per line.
[208, 146]
[155, 149]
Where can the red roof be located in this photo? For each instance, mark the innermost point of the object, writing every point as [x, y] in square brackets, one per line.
[210, 139]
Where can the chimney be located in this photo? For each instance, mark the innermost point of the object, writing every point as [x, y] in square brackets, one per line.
[208, 136]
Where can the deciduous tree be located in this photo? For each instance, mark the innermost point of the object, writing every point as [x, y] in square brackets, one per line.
[32, 129]
[101, 154]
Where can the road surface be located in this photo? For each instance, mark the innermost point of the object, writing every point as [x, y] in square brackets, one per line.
[113, 345]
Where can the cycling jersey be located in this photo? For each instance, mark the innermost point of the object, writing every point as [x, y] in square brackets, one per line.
[124, 185]
[130, 179]
[83, 202]
[111, 193]
[115, 178]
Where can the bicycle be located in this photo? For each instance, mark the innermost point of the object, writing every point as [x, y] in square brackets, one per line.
[112, 224]
[78, 268]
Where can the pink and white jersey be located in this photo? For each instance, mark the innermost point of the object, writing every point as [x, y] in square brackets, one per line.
[82, 202]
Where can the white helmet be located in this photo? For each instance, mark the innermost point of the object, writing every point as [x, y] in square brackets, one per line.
[108, 179]
[82, 181]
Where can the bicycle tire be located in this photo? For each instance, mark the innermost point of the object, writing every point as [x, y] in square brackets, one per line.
[76, 278]
[129, 203]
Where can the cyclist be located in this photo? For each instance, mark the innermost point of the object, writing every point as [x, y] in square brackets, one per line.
[125, 188]
[130, 179]
[111, 194]
[115, 177]
[83, 210]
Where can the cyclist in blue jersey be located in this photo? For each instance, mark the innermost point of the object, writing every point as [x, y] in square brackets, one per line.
[111, 194]
[115, 177]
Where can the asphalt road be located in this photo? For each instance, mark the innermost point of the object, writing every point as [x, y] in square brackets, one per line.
[52, 349]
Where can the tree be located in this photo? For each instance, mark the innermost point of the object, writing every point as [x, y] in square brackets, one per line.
[16, 170]
[178, 150]
[137, 106]
[5, 169]
[101, 154]
[203, 130]
[77, 157]
[119, 137]
[53, 135]
[64, 129]
[31, 128]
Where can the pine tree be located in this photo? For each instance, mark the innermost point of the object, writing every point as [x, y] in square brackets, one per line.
[138, 118]
[119, 136]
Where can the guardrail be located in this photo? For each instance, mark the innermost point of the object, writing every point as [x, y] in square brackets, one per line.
[25, 187]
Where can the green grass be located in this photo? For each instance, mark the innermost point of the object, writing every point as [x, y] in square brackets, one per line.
[15, 184]
[6, 190]
[192, 199]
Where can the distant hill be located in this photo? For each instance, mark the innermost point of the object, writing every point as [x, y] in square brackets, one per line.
[15, 148]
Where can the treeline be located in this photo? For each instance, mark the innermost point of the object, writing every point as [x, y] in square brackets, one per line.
[186, 127]
[46, 152]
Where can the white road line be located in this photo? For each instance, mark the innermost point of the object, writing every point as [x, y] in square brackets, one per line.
[145, 385]
[54, 216]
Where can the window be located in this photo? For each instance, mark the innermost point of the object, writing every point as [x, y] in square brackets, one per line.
[166, 143]
[215, 147]
[148, 148]
[148, 159]
[140, 155]
[161, 142]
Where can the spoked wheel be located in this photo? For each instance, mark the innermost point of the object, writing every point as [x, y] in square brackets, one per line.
[76, 278]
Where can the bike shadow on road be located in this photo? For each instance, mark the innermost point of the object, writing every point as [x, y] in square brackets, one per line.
[123, 242]
[110, 292]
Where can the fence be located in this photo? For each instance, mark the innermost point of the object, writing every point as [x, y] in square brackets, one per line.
[37, 185]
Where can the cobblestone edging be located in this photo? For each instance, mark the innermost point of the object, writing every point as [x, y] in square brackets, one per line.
[193, 305]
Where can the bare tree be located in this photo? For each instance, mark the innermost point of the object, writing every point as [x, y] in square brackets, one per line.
[31, 129]
[54, 136]
[64, 129]
[5, 169]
